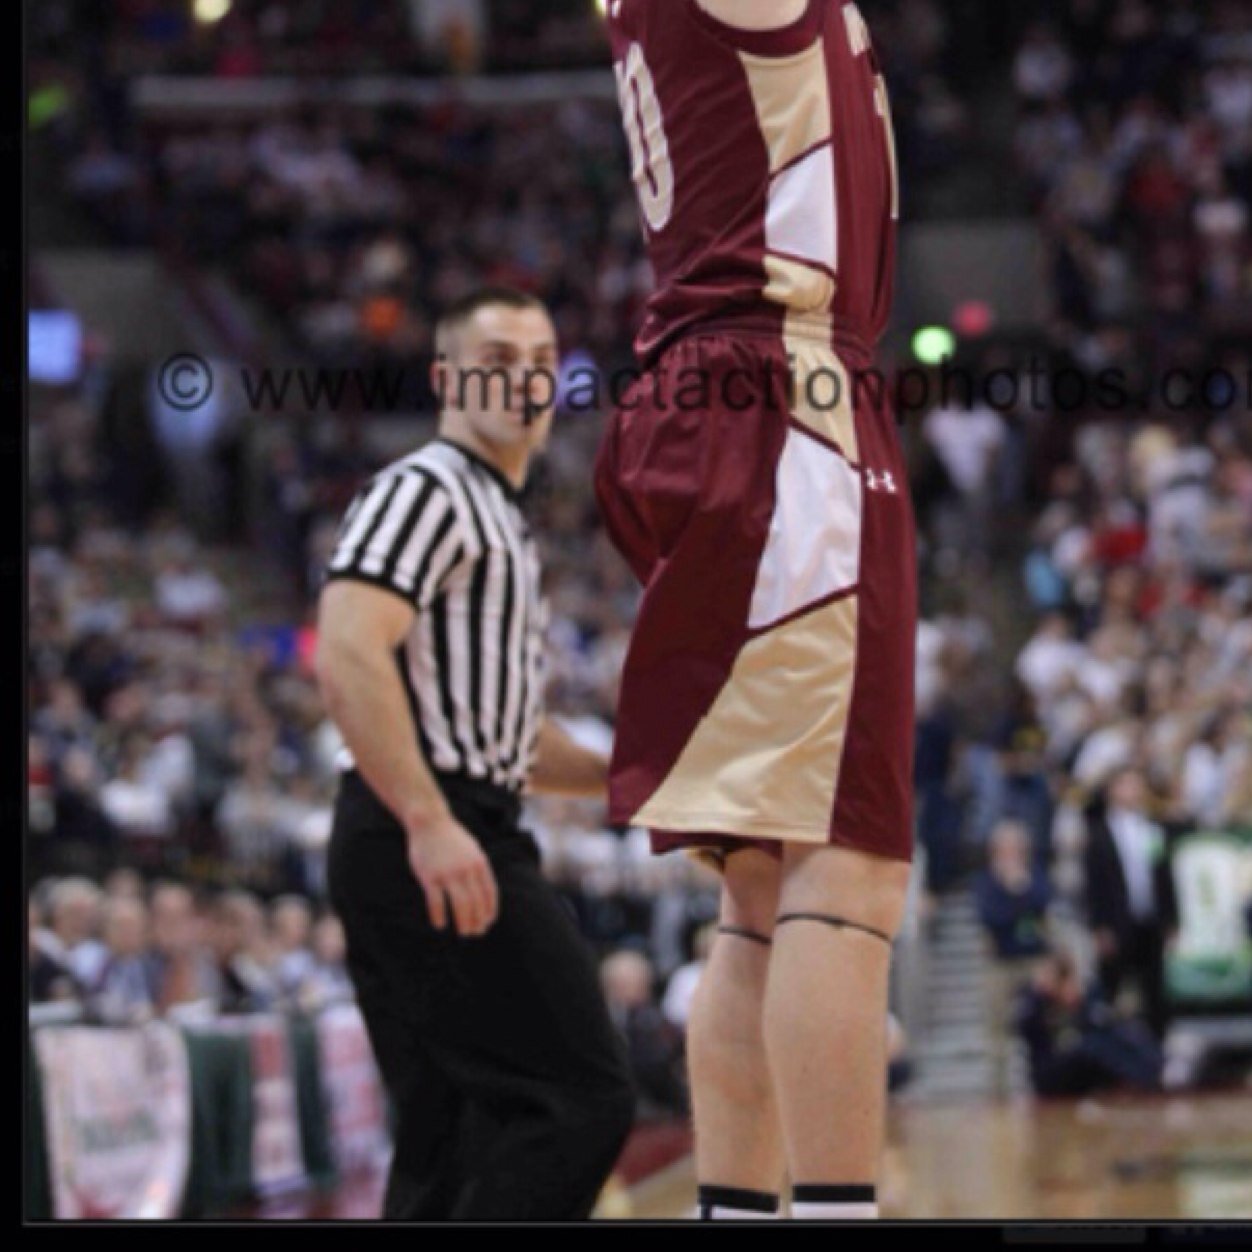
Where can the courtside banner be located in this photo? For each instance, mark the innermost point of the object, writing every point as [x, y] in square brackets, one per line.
[1212, 961]
[277, 1158]
[352, 1092]
[117, 1106]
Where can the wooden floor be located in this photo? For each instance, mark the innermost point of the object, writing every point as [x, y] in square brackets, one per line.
[1100, 1160]
[1156, 1159]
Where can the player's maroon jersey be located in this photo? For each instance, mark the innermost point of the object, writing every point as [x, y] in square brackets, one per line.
[765, 167]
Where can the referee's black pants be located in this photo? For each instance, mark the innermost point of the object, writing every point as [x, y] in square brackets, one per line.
[509, 1084]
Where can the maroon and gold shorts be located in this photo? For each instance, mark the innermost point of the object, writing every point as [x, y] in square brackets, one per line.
[760, 495]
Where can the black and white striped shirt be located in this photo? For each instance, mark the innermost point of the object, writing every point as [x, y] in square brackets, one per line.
[443, 529]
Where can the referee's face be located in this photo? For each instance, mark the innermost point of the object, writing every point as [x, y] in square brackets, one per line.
[501, 375]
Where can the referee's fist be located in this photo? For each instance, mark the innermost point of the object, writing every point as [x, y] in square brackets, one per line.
[452, 870]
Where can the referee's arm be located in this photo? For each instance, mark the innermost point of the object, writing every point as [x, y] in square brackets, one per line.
[367, 609]
[564, 767]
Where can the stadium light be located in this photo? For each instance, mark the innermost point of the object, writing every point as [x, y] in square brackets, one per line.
[209, 11]
[973, 318]
[932, 345]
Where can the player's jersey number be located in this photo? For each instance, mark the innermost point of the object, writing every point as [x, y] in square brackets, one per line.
[651, 167]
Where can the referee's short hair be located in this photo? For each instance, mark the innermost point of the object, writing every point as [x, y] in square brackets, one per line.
[457, 314]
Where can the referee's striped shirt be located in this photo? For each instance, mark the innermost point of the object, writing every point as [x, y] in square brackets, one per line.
[443, 529]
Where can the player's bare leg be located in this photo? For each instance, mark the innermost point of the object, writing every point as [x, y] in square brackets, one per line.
[826, 1022]
[739, 1153]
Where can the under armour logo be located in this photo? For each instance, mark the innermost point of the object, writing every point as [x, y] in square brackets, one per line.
[881, 482]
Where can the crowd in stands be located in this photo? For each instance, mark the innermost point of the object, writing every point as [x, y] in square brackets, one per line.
[1135, 139]
[350, 223]
[173, 735]
[166, 734]
[127, 952]
[240, 39]
[1131, 722]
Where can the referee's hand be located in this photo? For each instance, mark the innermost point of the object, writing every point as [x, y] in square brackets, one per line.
[452, 869]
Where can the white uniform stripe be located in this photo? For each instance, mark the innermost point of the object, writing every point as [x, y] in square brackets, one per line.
[443, 529]
[419, 542]
[421, 662]
[493, 608]
[373, 559]
[453, 480]
[441, 563]
[363, 518]
[519, 661]
[459, 677]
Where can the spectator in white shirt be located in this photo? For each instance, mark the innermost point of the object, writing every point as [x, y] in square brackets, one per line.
[74, 906]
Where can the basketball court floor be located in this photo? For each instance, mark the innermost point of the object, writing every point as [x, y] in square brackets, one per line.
[1157, 1159]
[1120, 1159]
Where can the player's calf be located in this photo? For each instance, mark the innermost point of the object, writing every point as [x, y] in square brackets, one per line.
[739, 1159]
[825, 1023]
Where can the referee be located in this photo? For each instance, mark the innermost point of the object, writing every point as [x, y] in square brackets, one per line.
[482, 1001]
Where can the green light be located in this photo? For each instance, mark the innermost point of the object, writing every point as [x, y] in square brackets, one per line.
[45, 104]
[934, 344]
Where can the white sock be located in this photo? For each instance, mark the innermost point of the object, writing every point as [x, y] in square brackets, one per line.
[735, 1204]
[834, 1204]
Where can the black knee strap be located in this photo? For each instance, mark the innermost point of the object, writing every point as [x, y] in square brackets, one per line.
[751, 936]
[838, 923]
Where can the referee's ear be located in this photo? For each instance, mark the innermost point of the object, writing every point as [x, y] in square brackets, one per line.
[443, 381]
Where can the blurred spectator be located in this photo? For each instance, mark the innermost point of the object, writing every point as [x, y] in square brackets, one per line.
[968, 441]
[1077, 1045]
[180, 970]
[49, 976]
[681, 988]
[124, 992]
[652, 1044]
[291, 927]
[1013, 894]
[187, 594]
[899, 1063]
[327, 981]
[136, 807]
[1026, 790]
[1130, 894]
[245, 983]
[74, 911]
[80, 825]
[253, 818]
[124, 883]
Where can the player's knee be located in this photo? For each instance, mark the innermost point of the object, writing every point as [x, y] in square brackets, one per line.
[883, 901]
[853, 886]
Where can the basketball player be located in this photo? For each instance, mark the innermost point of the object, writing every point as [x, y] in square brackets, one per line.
[483, 1004]
[766, 715]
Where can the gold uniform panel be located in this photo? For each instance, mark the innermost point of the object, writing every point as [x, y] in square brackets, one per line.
[764, 763]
